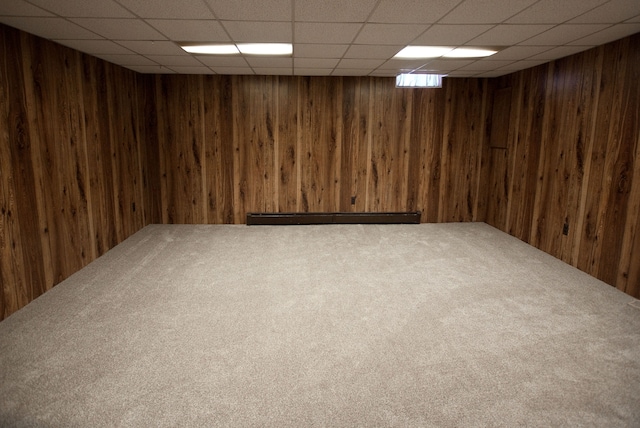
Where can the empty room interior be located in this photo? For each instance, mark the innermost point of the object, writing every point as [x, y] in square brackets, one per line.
[410, 213]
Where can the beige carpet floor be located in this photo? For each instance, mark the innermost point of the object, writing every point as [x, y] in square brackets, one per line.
[432, 325]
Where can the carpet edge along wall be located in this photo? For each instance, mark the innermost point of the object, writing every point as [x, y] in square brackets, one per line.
[92, 152]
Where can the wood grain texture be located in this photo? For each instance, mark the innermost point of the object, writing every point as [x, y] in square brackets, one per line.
[574, 161]
[254, 126]
[463, 136]
[389, 147]
[499, 136]
[23, 275]
[149, 150]
[93, 152]
[99, 156]
[181, 146]
[286, 172]
[125, 151]
[319, 143]
[283, 144]
[69, 165]
[426, 147]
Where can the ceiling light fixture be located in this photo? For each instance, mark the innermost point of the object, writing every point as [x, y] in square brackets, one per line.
[443, 52]
[423, 52]
[469, 53]
[211, 49]
[266, 48]
[244, 48]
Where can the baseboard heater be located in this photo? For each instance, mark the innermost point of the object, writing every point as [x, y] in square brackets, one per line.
[333, 218]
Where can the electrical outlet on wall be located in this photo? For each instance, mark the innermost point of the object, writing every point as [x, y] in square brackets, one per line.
[353, 200]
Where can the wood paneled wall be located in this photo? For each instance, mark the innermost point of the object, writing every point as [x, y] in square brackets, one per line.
[570, 154]
[70, 169]
[228, 145]
[91, 152]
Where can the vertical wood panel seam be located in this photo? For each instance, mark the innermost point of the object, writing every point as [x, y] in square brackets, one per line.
[444, 155]
[513, 144]
[587, 167]
[88, 188]
[406, 150]
[203, 153]
[299, 144]
[276, 147]
[367, 202]
[480, 149]
[36, 161]
[535, 226]
[339, 118]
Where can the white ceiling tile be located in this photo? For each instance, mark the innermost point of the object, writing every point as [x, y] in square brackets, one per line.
[325, 32]
[126, 60]
[50, 28]
[183, 9]
[351, 71]
[270, 62]
[21, 8]
[450, 35]
[485, 65]
[152, 47]
[175, 60]
[192, 70]
[301, 50]
[485, 11]
[150, 69]
[88, 8]
[264, 32]
[273, 71]
[447, 64]
[252, 10]
[398, 64]
[382, 73]
[612, 12]
[373, 51]
[312, 71]
[96, 47]
[554, 11]
[389, 34]
[379, 27]
[333, 10]
[315, 62]
[120, 29]
[222, 61]
[359, 63]
[192, 30]
[518, 52]
[233, 70]
[411, 11]
[559, 52]
[509, 34]
[564, 34]
[608, 35]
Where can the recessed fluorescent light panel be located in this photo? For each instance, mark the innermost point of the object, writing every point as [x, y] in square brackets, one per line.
[266, 48]
[423, 52]
[469, 53]
[211, 49]
[443, 52]
[244, 48]
[419, 80]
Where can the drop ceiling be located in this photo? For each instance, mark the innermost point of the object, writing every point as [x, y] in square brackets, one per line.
[329, 37]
